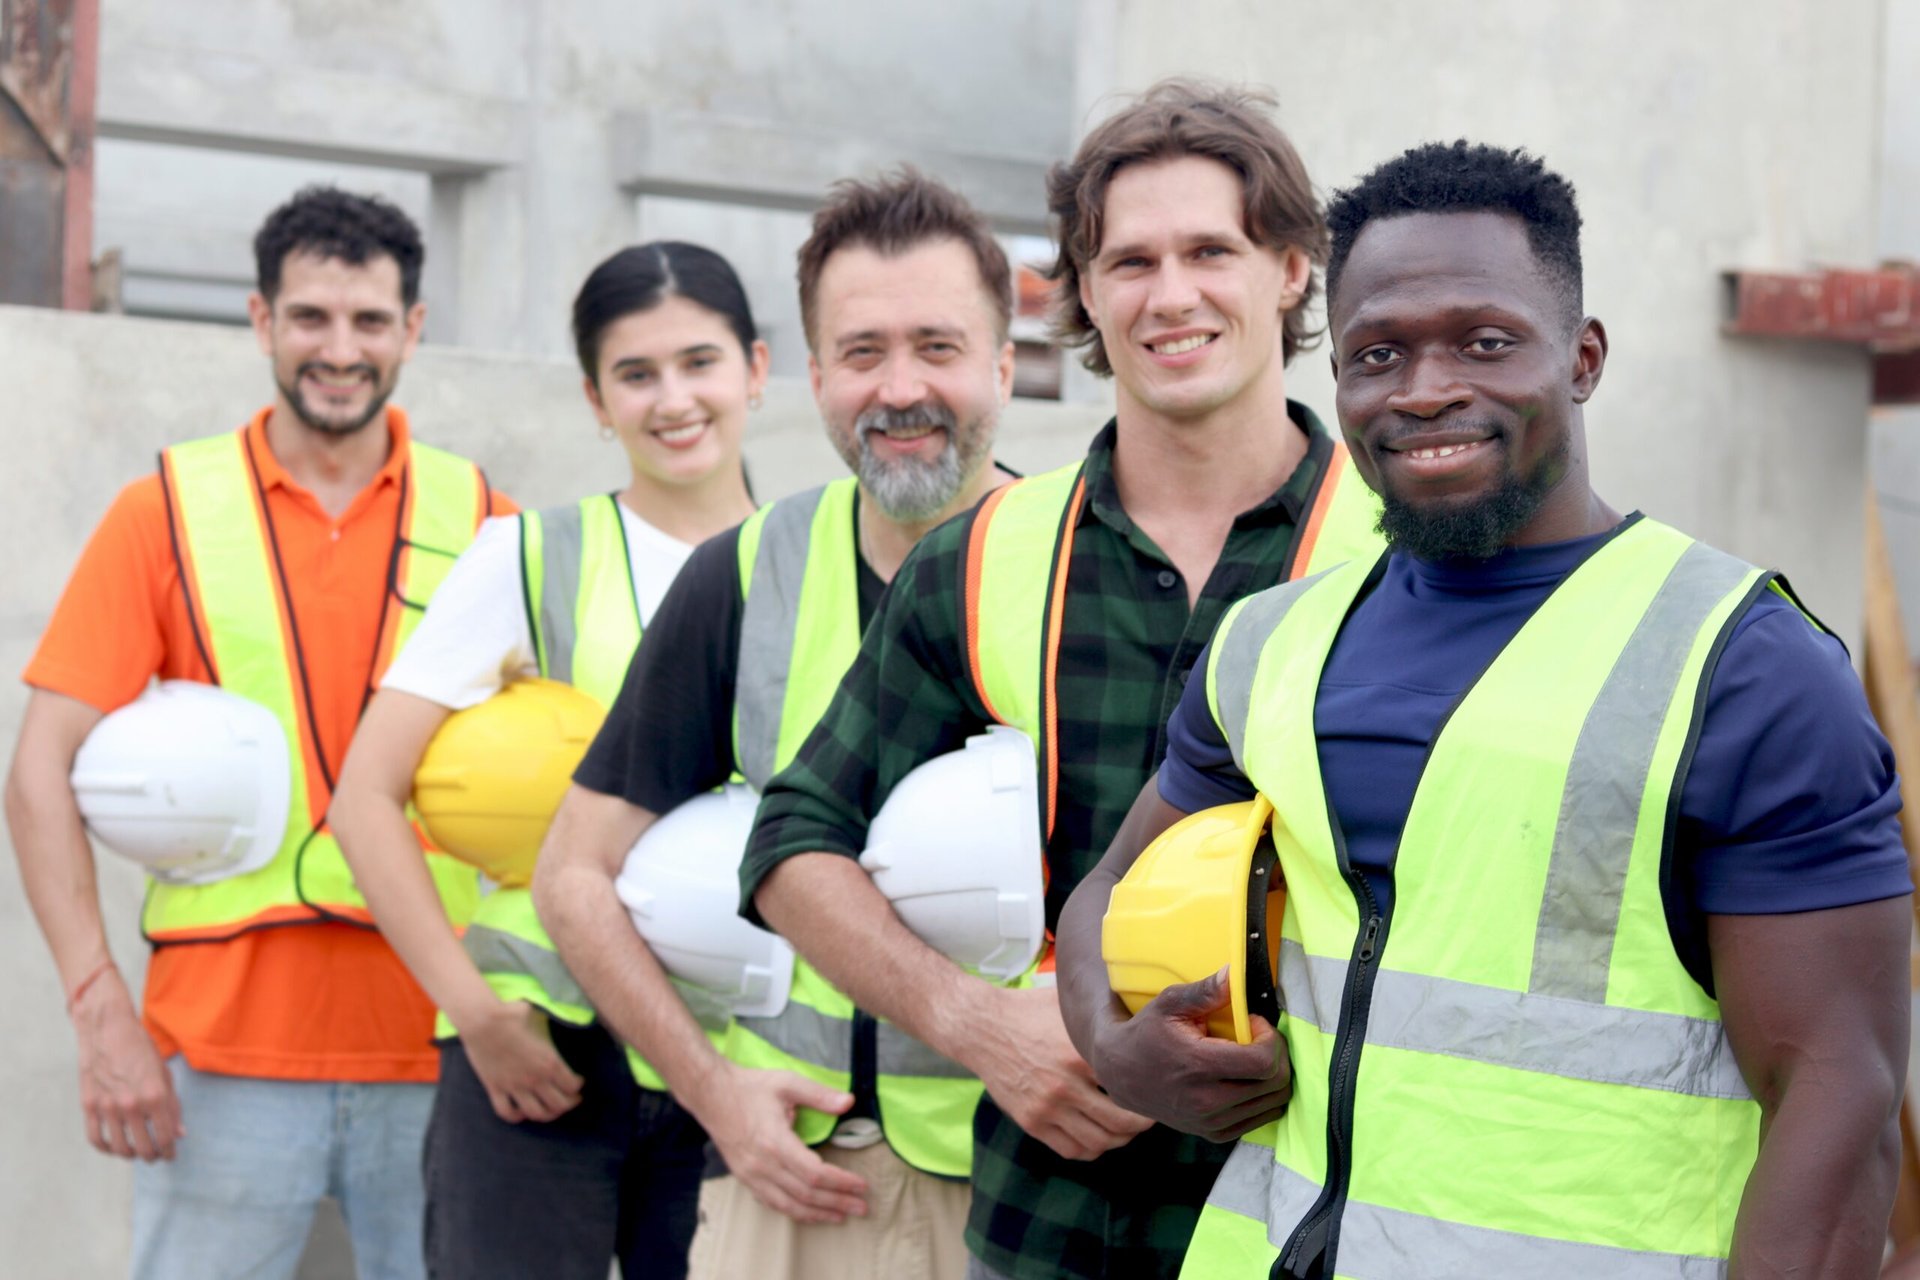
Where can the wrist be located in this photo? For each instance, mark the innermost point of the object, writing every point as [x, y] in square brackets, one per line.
[471, 1011]
[89, 981]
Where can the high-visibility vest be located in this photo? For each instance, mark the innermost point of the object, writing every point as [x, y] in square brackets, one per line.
[1019, 548]
[1509, 1073]
[250, 638]
[799, 632]
[576, 582]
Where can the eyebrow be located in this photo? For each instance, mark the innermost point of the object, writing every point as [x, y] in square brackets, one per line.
[698, 348]
[918, 332]
[1109, 253]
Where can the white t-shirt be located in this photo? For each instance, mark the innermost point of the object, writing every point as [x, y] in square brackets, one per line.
[474, 637]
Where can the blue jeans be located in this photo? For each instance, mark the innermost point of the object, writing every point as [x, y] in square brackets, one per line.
[237, 1201]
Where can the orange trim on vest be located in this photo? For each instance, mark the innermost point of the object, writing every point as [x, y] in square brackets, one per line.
[1337, 463]
[976, 555]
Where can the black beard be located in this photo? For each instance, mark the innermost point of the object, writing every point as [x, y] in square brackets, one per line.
[303, 411]
[1477, 529]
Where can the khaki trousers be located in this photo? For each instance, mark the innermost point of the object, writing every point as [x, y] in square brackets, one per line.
[912, 1230]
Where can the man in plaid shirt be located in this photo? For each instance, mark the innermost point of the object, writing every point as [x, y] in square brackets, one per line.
[1189, 235]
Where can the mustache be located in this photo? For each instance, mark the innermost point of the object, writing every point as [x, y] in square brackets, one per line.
[928, 413]
[1391, 436]
[334, 370]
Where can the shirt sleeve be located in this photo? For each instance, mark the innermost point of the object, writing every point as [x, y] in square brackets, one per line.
[669, 734]
[110, 632]
[474, 637]
[1792, 803]
[904, 700]
[1199, 771]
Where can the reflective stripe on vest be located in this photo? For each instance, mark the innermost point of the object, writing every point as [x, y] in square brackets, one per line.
[242, 617]
[799, 632]
[1543, 1092]
[800, 598]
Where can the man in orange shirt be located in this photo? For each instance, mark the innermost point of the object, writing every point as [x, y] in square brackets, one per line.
[276, 1064]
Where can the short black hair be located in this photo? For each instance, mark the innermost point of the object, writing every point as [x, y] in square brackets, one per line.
[330, 223]
[642, 276]
[1463, 177]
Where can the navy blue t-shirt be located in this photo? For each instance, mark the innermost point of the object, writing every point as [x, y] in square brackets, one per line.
[1791, 803]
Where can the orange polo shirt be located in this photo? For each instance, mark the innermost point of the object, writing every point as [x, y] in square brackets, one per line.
[314, 1002]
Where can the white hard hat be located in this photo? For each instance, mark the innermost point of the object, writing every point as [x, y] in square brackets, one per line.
[681, 884]
[956, 849]
[189, 780]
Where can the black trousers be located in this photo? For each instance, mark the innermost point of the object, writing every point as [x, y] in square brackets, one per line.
[616, 1177]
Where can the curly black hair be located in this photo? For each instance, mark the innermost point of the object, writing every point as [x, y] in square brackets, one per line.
[1463, 177]
[331, 223]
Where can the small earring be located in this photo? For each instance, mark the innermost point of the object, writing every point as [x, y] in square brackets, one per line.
[755, 400]
[606, 432]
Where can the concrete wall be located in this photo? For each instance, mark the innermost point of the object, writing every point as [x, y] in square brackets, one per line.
[1896, 431]
[89, 400]
[533, 137]
[1701, 137]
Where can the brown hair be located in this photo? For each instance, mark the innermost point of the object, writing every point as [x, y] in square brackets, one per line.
[893, 213]
[1178, 118]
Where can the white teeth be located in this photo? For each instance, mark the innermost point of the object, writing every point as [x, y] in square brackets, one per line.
[680, 435]
[1184, 345]
[1440, 451]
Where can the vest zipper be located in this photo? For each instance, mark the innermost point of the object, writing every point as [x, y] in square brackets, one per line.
[1314, 1238]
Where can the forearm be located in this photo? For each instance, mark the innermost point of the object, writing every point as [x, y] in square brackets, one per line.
[1086, 998]
[1817, 1201]
[391, 872]
[828, 908]
[573, 890]
[56, 864]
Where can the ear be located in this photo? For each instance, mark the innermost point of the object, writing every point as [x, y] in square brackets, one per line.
[1003, 371]
[1085, 289]
[1296, 273]
[592, 389]
[416, 325]
[759, 361]
[1589, 358]
[260, 313]
[814, 378]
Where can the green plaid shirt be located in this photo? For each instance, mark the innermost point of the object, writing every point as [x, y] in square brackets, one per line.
[1128, 641]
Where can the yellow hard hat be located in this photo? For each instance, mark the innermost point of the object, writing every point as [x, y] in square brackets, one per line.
[493, 775]
[1205, 895]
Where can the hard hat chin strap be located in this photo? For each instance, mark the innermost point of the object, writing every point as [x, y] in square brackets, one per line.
[1265, 902]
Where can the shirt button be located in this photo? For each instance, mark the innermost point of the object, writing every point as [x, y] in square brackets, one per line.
[1184, 673]
[1167, 578]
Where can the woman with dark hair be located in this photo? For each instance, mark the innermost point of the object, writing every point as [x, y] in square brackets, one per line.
[549, 1153]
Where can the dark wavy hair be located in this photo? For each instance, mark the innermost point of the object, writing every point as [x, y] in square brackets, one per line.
[1464, 177]
[642, 276]
[330, 223]
[1173, 119]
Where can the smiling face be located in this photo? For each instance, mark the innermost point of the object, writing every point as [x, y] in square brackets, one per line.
[673, 385]
[1188, 307]
[337, 333]
[909, 372]
[1459, 383]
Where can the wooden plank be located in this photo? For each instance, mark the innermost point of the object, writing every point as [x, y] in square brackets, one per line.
[1894, 695]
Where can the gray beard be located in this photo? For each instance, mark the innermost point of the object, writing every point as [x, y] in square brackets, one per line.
[914, 492]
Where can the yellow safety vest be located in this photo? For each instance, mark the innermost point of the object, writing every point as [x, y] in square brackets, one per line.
[799, 632]
[1509, 1073]
[1018, 551]
[238, 602]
